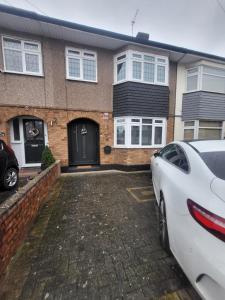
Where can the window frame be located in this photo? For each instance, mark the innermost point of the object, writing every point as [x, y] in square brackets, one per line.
[128, 125]
[81, 57]
[200, 73]
[23, 52]
[129, 67]
[197, 126]
[116, 62]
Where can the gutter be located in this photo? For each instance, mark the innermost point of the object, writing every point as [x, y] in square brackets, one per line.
[41, 18]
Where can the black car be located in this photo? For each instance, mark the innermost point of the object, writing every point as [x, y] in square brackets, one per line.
[9, 168]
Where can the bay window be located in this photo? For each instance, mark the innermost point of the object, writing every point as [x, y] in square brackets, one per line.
[203, 129]
[121, 67]
[141, 67]
[120, 132]
[22, 56]
[213, 79]
[139, 132]
[206, 78]
[192, 79]
[81, 64]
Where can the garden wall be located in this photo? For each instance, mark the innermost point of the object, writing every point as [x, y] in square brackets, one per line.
[19, 211]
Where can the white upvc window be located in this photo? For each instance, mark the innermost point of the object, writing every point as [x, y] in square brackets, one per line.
[81, 64]
[139, 132]
[193, 79]
[213, 79]
[205, 78]
[141, 67]
[121, 67]
[22, 56]
[203, 129]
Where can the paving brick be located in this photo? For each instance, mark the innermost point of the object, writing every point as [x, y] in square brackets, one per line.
[93, 240]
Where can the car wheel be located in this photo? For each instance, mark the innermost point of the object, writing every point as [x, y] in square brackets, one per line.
[163, 231]
[10, 180]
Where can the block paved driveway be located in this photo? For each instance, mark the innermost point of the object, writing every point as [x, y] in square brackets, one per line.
[96, 238]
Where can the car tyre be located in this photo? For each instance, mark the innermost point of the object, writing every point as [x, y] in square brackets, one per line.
[163, 230]
[10, 180]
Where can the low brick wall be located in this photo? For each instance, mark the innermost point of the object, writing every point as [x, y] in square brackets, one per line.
[19, 211]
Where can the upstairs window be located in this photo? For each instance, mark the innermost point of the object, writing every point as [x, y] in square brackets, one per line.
[141, 67]
[192, 79]
[81, 65]
[22, 56]
[213, 79]
[121, 66]
[206, 78]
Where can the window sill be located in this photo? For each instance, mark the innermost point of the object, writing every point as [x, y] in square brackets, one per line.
[82, 80]
[143, 82]
[194, 91]
[25, 74]
[138, 147]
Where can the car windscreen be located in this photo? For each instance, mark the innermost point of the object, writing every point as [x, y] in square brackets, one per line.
[215, 162]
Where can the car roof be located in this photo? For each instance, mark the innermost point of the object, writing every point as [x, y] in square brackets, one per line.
[207, 145]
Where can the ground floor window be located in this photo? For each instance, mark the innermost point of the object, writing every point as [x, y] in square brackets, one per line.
[136, 132]
[203, 129]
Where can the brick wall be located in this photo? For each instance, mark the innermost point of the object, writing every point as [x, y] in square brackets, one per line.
[18, 212]
[132, 156]
[57, 131]
[58, 136]
[170, 130]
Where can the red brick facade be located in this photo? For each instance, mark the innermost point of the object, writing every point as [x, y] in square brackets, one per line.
[18, 212]
[57, 120]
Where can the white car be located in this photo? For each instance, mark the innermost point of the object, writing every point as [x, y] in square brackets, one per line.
[189, 185]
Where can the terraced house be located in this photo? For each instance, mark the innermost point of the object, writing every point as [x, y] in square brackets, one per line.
[99, 97]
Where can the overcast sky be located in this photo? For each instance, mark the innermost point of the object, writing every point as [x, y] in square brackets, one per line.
[195, 24]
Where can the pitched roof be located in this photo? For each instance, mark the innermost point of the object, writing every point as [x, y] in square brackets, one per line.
[104, 33]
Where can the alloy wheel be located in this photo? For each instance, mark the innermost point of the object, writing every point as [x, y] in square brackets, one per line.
[11, 178]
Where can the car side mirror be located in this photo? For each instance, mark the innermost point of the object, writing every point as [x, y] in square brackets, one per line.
[156, 154]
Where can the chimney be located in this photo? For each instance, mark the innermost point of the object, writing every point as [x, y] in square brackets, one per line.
[143, 36]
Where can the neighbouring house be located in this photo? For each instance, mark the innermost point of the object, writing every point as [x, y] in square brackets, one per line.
[99, 97]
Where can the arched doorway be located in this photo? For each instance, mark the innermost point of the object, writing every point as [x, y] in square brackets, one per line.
[28, 137]
[83, 142]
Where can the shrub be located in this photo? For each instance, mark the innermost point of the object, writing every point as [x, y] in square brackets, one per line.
[47, 158]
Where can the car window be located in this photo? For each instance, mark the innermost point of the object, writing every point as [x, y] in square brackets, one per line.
[168, 152]
[175, 155]
[181, 160]
[215, 161]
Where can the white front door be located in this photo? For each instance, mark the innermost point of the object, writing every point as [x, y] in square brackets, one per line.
[28, 135]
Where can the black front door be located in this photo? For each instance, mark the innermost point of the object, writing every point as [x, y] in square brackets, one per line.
[83, 137]
[34, 141]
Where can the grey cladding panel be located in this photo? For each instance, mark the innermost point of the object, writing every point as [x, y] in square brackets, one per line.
[203, 105]
[139, 99]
